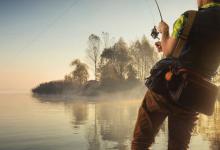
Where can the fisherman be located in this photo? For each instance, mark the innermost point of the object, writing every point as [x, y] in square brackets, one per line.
[202, 54]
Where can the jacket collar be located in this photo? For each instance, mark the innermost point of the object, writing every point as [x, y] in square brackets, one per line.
[211, 4]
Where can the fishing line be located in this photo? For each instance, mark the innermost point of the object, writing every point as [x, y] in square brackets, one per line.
[150, 11]
[154, 32]
[49, 26]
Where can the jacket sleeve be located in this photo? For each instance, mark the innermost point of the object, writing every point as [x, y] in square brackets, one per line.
[179, 25]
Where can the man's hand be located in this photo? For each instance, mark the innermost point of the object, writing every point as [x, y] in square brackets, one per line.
[167, 43]
[158, 46]
[163, 27]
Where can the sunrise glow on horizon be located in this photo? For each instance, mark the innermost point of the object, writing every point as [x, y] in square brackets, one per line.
[38, 39]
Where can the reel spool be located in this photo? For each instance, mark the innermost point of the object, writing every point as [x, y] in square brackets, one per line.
[155, 33]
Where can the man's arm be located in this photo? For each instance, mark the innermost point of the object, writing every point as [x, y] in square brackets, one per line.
[168, 42]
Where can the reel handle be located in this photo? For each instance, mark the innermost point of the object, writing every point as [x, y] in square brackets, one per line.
[155, 33]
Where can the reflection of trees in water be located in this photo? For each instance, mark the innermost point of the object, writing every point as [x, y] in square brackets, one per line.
[79, 112]
[209, 127]
[108, 124]
[116, 122]
[85, 114]
[93, 136]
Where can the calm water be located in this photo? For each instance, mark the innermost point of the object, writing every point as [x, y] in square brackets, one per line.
[29, 123]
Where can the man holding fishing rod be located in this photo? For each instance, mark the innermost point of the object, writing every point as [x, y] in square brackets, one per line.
[179, 85]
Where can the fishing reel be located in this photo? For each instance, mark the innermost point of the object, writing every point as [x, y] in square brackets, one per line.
[155, 33]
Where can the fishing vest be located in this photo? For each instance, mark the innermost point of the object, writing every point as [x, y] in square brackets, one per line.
[201, 52]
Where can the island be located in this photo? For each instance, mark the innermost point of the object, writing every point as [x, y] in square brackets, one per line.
[116, 67]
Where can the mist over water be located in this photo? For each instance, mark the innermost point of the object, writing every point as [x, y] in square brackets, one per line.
[67, 123]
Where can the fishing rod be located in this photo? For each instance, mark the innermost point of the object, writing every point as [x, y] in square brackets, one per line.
[158, 7]
[154, 32]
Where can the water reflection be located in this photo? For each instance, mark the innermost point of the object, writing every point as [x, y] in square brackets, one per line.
[92, 133]
[109, 124]
[209, 127]
[79, 113]
[116, 122]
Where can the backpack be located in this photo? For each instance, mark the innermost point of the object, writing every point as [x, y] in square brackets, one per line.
[185, 88]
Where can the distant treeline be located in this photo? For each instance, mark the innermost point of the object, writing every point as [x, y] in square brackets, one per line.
[117, 66]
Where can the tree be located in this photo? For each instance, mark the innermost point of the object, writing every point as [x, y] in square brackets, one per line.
[105, 39]
[143, 57]
[93, 51]
[80, 73]
[109, 74]
[68, 78]
[150, 56]
[117, 57]
[131, 73]
[137, 58]
[122, 57]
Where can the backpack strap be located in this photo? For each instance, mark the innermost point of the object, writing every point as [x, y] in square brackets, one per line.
[185, 34]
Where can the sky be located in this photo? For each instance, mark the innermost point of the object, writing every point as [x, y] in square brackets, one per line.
[39, 38]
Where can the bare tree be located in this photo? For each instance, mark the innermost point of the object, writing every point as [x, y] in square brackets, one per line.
[93, 51]
[105, 39]
[143, 57]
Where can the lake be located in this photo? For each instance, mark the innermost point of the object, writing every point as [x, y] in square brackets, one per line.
[49, 123]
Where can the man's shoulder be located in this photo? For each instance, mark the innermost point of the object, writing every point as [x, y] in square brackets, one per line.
[187, 13]
[180, 23]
